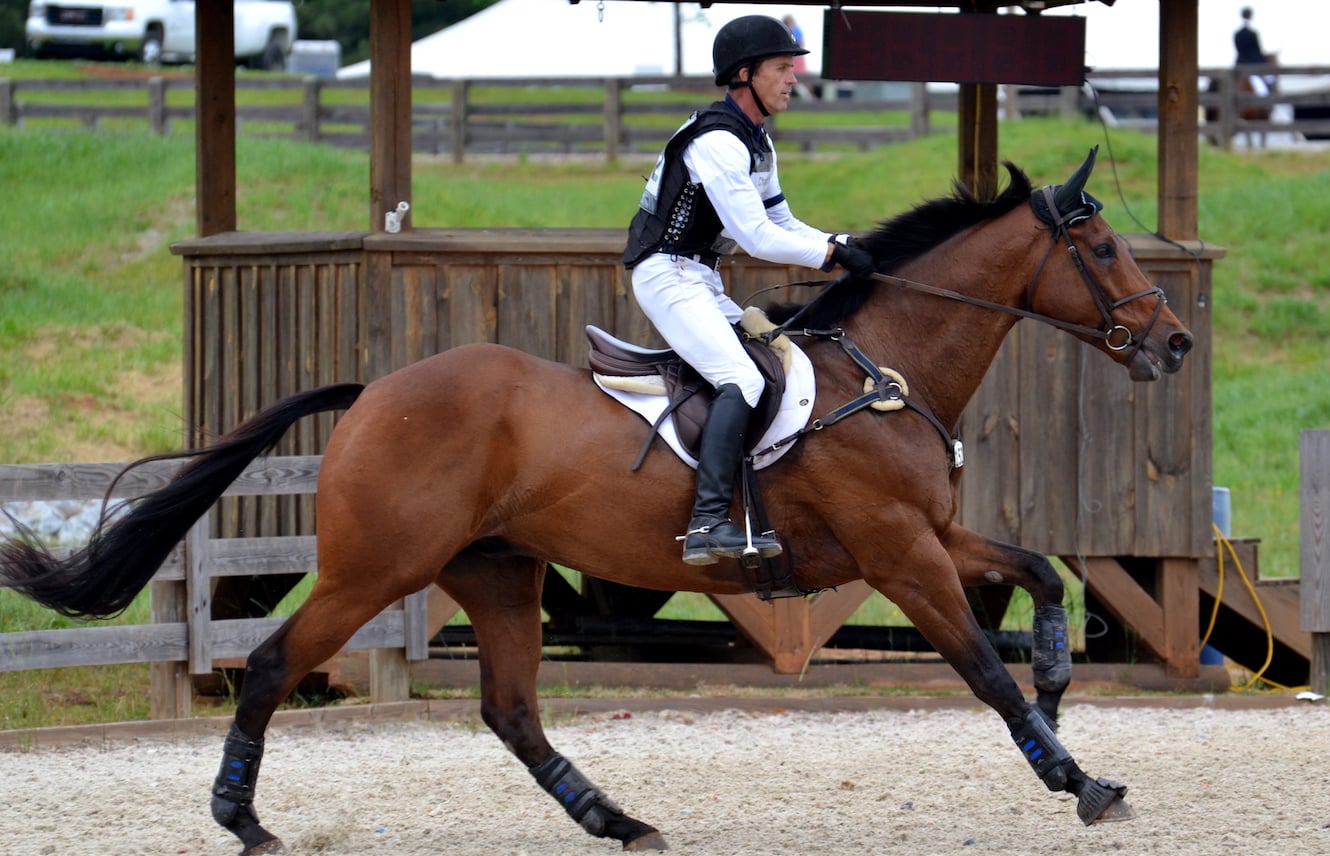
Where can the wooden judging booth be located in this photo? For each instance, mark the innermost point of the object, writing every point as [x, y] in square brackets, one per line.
[1065, 455]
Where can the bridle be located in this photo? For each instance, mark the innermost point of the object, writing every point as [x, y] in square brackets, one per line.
[1060, 225]
[1115, 336]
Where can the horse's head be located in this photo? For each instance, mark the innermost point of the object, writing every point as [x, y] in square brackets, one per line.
[1118, 310]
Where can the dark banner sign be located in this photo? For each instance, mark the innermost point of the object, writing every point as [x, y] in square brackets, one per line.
[970, 48]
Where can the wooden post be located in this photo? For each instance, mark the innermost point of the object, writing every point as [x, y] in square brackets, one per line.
[309, 118]
[389, 109]
[198, 586]
[613, 118]
[978, 129]
[1011, 94]
[1177, 583]
[791, 630]
[1228, 109]
[1069, 102]
[157, 106]
[918, 110]
[215, 117]
[1314, 522]
[171, 692]
[457, 119]
[389, 674]
[8, 101]
[1178, 123]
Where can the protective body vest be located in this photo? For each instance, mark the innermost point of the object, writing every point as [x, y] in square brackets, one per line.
[675, 215]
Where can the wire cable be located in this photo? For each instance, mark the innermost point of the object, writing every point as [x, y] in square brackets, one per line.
[1224, 544]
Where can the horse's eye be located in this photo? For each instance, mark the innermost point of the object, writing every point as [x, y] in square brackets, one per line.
[1104, 251]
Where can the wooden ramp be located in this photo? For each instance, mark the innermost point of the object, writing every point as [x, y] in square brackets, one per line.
[1258, 619]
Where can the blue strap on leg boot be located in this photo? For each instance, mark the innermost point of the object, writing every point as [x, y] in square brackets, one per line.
[233, 789]
[584, 802]
[1040, 746]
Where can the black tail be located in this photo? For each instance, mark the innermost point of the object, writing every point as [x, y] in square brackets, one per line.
[103, 578]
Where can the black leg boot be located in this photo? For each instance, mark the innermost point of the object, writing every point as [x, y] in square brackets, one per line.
[710, 532]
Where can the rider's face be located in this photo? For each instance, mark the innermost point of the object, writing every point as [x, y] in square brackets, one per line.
[773, 82]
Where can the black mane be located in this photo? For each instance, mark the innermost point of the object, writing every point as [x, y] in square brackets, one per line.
[903, 238]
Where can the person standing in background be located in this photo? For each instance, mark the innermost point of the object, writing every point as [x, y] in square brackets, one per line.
[1247, 42]
[800, 62]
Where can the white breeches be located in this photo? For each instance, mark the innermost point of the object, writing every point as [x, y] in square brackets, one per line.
[687, 304]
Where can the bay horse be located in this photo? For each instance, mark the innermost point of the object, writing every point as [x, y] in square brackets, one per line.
[473, 468]
[1247, 83]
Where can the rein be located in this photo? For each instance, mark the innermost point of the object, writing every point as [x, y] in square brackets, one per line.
[1115, 336]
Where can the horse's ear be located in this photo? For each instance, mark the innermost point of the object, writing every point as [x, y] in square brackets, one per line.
[1068, 196]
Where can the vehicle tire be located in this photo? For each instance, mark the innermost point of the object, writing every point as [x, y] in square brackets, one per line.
[150, 52]
[273, 57]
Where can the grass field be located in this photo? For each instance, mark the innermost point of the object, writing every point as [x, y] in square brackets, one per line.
[90, 324]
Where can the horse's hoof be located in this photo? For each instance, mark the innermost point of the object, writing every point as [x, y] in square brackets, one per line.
[651, 841]
[267, 848]
[1119, 809]
[1101, 801]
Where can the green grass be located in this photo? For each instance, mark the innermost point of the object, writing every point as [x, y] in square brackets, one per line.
[90, 325]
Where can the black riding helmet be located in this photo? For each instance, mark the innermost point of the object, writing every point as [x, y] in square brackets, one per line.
[747, 41]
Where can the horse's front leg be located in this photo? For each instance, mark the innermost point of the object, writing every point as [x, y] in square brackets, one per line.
[982, 561]
[922, 580]
[501, 597]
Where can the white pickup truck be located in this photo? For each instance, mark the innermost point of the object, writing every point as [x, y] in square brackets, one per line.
[157, 30]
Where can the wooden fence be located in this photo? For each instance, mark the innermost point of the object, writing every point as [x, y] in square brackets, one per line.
[600, 116]
[613, 116]
[182, 638]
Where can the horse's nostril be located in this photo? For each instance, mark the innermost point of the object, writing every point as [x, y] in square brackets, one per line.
[1180, 343]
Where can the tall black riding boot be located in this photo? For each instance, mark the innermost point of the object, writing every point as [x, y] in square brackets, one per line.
[710, 532]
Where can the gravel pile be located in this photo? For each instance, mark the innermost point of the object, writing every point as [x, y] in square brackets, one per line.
[61, 522]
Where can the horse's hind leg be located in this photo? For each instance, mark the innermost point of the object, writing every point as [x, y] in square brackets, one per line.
[931, 596]
[317, 631]
[501, 597]
[983, 561]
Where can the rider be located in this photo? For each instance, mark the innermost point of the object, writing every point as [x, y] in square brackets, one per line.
[715, 186]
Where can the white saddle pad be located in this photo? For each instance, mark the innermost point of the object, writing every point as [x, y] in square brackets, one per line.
[796, 408]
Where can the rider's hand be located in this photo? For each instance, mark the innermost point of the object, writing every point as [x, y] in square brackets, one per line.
[856, 261]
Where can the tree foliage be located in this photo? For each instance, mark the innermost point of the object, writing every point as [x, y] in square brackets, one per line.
[12, 15]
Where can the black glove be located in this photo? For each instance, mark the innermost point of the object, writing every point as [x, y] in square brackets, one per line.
[856, 261]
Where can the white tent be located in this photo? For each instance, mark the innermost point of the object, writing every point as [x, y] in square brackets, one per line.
[555, 38]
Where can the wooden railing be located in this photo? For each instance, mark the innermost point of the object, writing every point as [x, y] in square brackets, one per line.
[605, 116]
[613, 116]
[181, 638]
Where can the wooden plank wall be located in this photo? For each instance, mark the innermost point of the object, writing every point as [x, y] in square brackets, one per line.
[260, 327]
[1065, 454]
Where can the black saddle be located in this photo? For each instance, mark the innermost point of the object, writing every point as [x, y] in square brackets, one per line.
[689, 395]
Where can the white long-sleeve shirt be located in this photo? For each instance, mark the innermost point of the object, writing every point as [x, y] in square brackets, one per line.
[720, 162]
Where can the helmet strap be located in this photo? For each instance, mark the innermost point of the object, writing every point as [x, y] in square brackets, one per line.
[752, 70]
